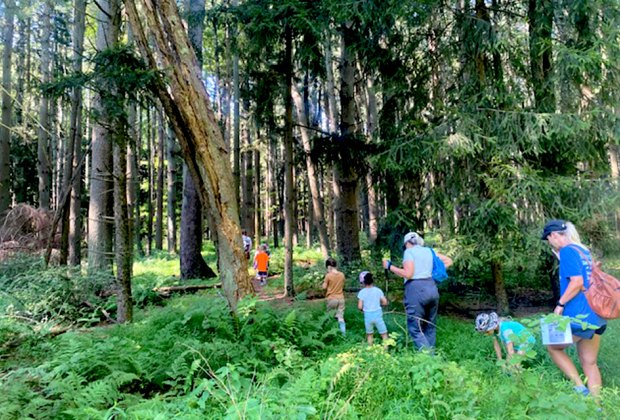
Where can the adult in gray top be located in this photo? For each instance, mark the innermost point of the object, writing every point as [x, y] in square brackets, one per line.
[421, 294]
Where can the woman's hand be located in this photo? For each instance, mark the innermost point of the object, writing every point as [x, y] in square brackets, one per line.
[558, 310]
[386, 263]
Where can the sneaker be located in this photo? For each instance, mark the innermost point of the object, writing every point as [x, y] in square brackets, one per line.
[582, 389]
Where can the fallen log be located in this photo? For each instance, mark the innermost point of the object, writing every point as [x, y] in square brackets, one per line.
[168, 290]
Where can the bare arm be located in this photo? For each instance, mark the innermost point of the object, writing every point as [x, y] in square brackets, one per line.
[384, 301]
[447, 261]
[498, 348]
[575, 285]
[360, 305]
[406, 272]
[324, 285]
[510, 350]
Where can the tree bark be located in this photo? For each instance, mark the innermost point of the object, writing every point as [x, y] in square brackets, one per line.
[150, 208]
[101, 204]
[123, 243]
[5, 127]
[133, 157]
[236, 103]
[74, 142]
[272, 181]
[172, 192]
[540, 14]
[257, 189]
[345, 176]
[247, 184]
[313, 181]
[500, 288]
[192, 263]
[43, 145]
[288, 165]
[159, 214]
[373, 210]
[187, 105]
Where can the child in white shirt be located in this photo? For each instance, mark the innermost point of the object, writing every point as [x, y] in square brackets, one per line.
[370, 299]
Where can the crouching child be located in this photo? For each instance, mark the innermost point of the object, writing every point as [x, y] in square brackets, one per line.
[515, 337]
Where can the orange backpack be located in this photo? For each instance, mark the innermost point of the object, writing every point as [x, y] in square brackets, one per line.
[603, 294]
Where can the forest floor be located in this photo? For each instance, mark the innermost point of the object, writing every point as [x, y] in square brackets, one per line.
[183, 357]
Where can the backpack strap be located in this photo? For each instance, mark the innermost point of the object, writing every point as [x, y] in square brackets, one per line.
[585, 257]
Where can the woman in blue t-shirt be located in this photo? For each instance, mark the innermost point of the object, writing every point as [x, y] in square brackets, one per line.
[421, 295]
[575, 271]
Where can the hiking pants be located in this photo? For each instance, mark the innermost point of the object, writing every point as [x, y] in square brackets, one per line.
[421, 304]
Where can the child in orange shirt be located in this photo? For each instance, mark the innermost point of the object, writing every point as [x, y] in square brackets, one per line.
[261, 264]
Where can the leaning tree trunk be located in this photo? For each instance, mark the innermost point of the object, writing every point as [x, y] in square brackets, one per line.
[313, 180]
[101, 205]
[166, 47]
[43, 146]
[5, 127]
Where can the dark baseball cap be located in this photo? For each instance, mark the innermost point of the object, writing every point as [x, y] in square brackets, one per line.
[553, 226]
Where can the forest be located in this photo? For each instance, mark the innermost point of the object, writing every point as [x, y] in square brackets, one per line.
[149, 149]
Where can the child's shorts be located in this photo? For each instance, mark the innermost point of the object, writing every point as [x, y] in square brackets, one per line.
[374, 318]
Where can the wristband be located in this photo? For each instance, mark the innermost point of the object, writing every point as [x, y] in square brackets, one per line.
[561, 305]
[389, 264]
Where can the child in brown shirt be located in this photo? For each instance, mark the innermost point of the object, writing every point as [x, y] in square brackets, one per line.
[334, 295]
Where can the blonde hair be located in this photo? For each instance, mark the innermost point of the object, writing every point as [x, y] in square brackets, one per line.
[571, 233]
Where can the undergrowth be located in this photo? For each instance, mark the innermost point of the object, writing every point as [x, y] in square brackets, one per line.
[191, 360]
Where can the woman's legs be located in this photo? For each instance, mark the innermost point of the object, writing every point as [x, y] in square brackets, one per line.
[588, 355]
[566, 365]
[369, 338]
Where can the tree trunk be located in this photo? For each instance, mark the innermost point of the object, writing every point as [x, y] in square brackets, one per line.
[75, 135]
[540, 14]
[247, 187]
[196, 128]
[101, 204]
[257, 189]
[123, 243]
[288, 165]
[313, 181]
[43, 145]
[5, 127]
[159, 215]
[272, 185]
[500, 288]
[172, 192]
[236, 116]
[373, 210]
[330, 90]
[133, 157]
[345, 176]
[192, 263]
[150, 207]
